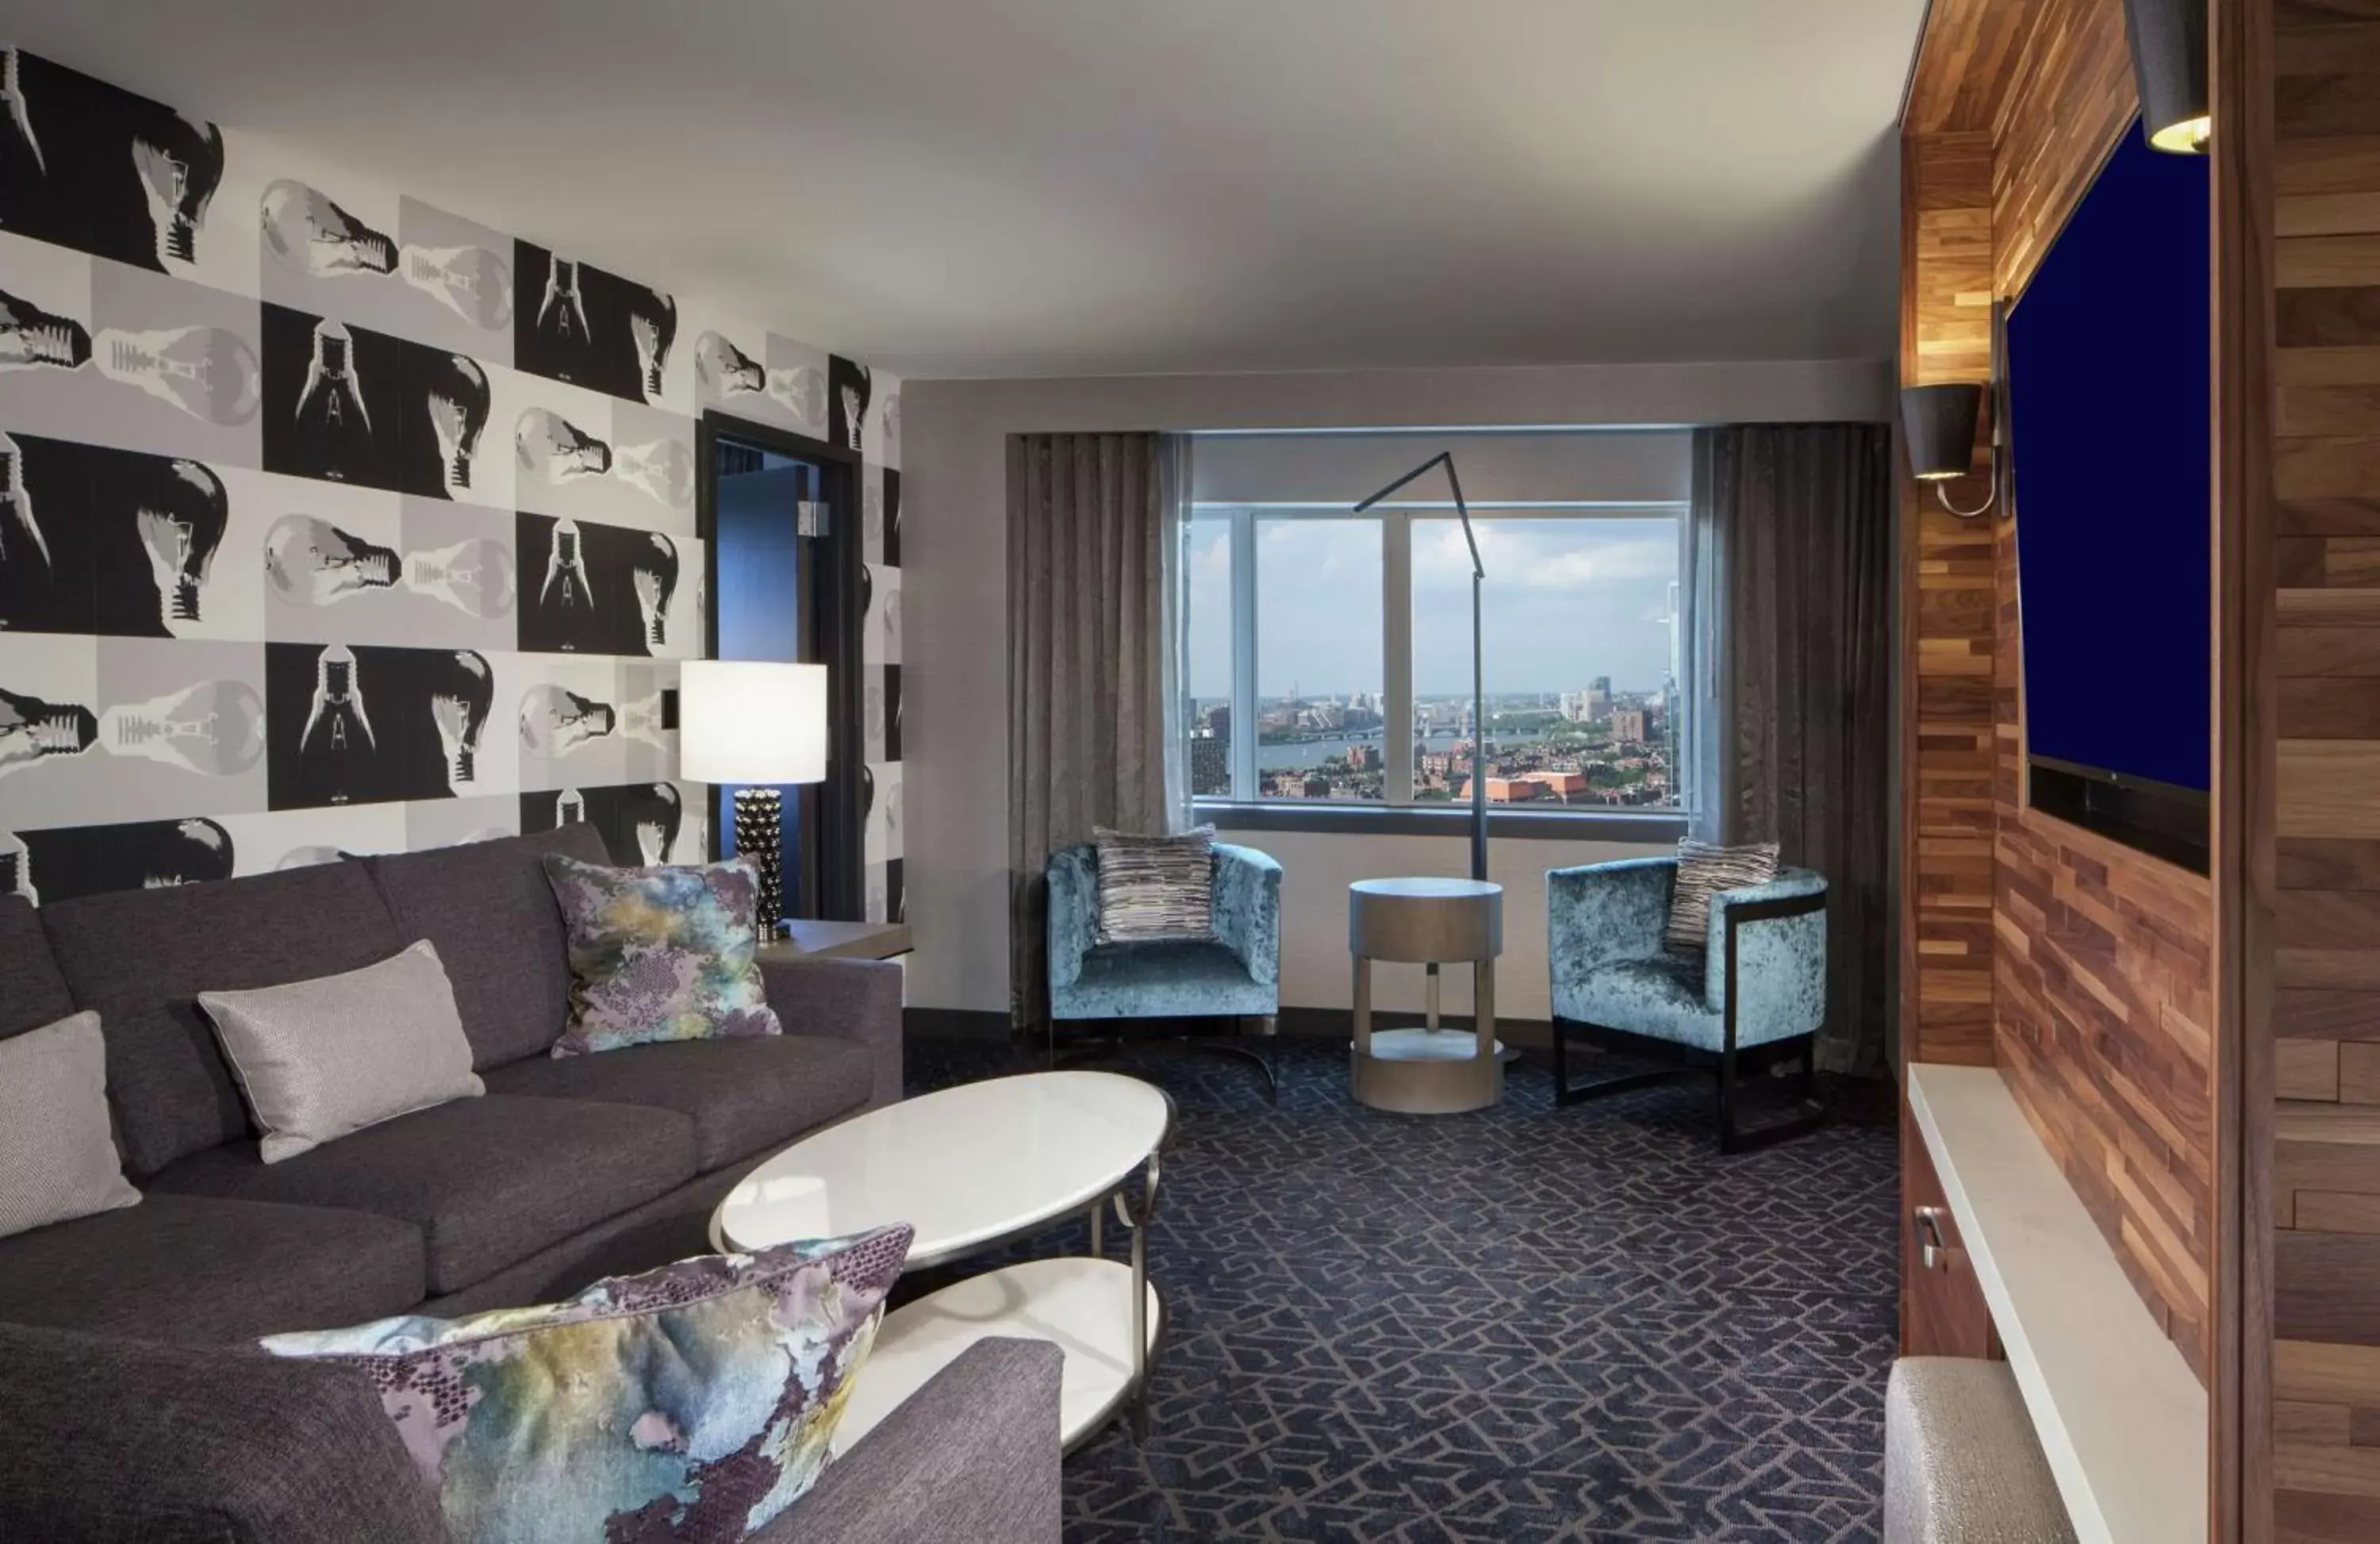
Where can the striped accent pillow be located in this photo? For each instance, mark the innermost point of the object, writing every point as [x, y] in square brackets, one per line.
[1156, 887]
[1704, 869]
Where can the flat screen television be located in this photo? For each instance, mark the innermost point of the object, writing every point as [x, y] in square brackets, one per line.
[2110, 400]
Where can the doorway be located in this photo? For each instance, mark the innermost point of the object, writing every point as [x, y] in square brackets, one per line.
[780, 563]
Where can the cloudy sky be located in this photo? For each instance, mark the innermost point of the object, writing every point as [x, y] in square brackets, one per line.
[1566, 598]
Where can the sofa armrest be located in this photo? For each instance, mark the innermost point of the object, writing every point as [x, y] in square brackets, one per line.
[971, 1458]
[1600, 914]
[105, 1439]
[844, 1000]
[1781, 961]
[1073, 912]
[1247, 909]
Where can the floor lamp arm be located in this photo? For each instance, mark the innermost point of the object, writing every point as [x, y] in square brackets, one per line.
[1478, 655]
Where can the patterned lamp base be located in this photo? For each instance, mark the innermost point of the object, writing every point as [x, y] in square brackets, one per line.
[760, 836]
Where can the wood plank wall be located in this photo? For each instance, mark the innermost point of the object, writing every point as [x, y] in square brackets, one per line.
[2324, 1035]
[2094, 976]
[1949, 605]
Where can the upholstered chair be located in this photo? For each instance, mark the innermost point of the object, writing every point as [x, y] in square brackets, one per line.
[1753, 998]
[1235, 975]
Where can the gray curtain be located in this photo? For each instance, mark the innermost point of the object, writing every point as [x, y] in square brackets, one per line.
[1094, 632]
[1788, 566]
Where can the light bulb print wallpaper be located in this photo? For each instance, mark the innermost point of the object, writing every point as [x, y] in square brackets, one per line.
[333, 521]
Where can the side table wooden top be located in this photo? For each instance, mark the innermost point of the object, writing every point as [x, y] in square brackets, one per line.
[841, 940]
[1423, 919]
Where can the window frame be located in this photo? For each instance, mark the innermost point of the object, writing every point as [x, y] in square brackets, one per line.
[1396, 812]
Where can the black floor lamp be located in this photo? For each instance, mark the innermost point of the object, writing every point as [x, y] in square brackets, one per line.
[1478, 674]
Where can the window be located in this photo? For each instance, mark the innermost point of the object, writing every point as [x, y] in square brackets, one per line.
[1320, 686]
[1313, 632]
[1577, 631]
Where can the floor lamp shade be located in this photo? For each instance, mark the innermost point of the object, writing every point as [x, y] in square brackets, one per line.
[745, 721]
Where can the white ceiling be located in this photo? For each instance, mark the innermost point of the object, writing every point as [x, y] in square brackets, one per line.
[1068, 187]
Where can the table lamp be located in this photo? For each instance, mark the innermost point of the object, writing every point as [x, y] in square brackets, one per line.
[759, 724]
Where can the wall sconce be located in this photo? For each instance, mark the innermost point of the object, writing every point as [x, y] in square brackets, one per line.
[2168, 39]
[1937, 423]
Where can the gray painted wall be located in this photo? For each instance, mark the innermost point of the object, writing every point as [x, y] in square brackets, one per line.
[955, 666]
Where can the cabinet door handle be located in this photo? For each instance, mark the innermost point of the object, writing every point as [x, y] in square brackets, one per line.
[1932, 1253]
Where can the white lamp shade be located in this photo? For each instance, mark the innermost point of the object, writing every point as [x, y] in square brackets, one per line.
[750, 721]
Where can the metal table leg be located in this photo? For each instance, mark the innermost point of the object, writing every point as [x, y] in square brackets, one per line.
[1363, 1006]
[1138, 1219]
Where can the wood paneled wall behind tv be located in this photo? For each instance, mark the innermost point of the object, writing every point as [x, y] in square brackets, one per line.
[2080, 968]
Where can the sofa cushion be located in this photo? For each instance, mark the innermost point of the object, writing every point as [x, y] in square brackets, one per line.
[694, 1402]
[32, 993]
[57, 1161]
[141, 957]
[1704, 869]
[660, 953]
[1155, 888]
[197, 1270]
[744, 1096]
[488, 1181]
[487, 906]
[324, 1059]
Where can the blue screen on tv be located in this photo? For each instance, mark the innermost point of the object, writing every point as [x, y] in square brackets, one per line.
[2109, 396]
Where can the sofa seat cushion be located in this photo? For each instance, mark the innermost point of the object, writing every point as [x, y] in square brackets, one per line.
[141, 958]
[744, 1096]
[1164, 980]
[195, 1269]
[488, 908]
[488, 1181]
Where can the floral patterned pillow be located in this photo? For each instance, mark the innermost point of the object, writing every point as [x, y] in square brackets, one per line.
[662, 953]
[692, 1404]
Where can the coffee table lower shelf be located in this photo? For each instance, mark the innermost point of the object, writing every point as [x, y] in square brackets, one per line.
[1082, 1304]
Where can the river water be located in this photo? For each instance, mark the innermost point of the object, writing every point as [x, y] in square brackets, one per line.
[1313, 753]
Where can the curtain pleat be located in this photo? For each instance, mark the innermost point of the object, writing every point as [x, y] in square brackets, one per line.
[1089, 616]
[1790, 565]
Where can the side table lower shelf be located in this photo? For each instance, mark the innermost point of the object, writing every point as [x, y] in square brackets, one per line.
[1082, 1304]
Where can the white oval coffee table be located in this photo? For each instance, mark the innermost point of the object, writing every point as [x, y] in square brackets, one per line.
[973, 1168]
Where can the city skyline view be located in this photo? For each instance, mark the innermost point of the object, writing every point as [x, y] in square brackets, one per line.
[1566, 600]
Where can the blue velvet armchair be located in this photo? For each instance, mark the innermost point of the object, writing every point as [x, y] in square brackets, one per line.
[1755, 997]
[1235, 976]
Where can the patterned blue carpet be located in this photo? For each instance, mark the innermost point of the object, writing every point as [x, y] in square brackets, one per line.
[1526, 1324]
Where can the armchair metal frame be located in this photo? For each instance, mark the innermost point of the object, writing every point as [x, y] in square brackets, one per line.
[1111, 1045]
[1729, 1064]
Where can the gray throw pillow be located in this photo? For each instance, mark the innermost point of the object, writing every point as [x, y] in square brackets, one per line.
[57, 1161]
[1154, 889]
[1704, 869]
[319, 1060]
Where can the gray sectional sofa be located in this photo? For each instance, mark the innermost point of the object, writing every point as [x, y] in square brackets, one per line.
[565, 1172]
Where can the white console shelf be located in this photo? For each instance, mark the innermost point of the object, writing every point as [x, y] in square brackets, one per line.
[2120, 1414]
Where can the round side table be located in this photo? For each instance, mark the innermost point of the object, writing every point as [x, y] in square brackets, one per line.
[1429, 1070]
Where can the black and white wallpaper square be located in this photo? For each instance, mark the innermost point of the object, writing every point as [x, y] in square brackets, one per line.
[334, 522]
